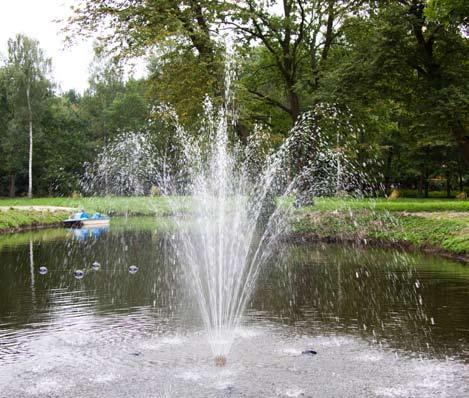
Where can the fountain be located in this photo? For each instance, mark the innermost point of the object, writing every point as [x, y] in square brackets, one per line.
[241, 201]
[241, 197]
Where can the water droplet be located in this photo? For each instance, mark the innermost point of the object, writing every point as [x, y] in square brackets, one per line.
[78, 274]
[133, 269]
[96, 265]
[43, 270]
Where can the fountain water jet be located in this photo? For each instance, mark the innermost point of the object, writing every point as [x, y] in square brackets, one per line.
[241, 197]
[240, 203]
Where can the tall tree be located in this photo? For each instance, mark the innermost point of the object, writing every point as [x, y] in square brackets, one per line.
[407, 69]
[297, 36]
[27, 69]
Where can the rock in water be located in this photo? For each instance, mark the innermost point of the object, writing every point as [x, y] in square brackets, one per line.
[220, 360]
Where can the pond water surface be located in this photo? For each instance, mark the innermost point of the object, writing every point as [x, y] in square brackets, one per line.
[383, 323]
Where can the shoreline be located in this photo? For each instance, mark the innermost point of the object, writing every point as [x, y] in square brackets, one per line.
[444, 232]
[30, 227]
[405, 246]
[311, 237]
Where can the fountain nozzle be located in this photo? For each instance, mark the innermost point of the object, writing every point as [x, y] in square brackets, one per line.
[220, 360]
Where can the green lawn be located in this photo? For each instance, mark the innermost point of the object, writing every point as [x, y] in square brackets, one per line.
[401, 204]
[130, 206]
[159, 205]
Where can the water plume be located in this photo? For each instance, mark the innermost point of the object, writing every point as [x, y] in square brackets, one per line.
[241, 200]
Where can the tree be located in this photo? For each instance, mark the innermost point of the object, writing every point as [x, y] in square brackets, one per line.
[111, 104]
[408, 77]
[27, 68]
[296, 37]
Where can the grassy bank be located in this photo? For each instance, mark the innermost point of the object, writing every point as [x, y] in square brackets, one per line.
[12, 220]
[445, 233]
[428, 224]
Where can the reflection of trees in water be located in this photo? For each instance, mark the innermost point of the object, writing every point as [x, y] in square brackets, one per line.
[373, 293]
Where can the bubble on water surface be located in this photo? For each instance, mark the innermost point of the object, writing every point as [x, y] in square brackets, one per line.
[133, 269]
[78, 274]
[43, 270]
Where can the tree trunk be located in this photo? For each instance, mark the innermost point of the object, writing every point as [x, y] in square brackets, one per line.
[30, 163]
[448, 185]
[427, 185]
[387, 176]
[462, 138]
[11, 186]
[293, 102]
[420, 186]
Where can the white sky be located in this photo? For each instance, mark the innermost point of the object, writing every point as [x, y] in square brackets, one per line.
[34, 18]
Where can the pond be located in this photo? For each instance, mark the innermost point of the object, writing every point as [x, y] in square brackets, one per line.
[383, 323]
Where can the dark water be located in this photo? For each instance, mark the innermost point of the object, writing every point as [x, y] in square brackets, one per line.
[384, 323]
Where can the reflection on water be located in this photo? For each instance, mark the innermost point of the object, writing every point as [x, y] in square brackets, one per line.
[409, 304]
[89, 233]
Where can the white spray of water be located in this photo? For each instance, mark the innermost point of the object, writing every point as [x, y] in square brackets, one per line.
[241, 199]
[240, 205]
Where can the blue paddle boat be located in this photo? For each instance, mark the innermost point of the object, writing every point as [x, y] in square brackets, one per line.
[83, 219]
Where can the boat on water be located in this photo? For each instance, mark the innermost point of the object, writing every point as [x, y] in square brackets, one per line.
[83, 219]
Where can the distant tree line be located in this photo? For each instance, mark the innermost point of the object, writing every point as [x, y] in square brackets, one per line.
[398, 69]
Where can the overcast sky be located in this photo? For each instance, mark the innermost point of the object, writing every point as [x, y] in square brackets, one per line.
[35, 19]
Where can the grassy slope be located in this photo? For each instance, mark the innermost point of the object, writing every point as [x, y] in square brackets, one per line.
[13, 219]
[435, 231]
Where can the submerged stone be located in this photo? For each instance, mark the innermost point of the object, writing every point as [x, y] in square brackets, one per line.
[78, 274]
[43, 270]
[220, 360]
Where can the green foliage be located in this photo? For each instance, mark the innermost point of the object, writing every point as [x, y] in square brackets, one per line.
[398, 71]
[448, 11]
